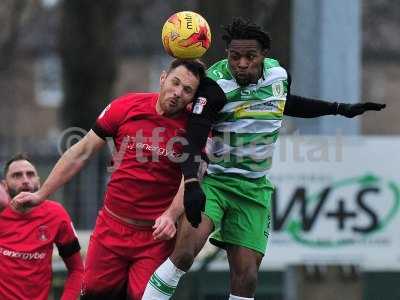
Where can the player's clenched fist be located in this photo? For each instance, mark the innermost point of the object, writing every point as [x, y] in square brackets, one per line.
[25, 200]
[4, 198]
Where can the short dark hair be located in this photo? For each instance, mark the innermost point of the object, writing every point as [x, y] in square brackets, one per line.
[241, 29]
[196, 66]
[16, 157]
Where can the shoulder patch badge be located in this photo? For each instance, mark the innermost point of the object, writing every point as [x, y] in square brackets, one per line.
[277, 89]
[199, 105]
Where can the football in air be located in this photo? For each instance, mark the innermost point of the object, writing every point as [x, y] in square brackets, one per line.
[186, 35]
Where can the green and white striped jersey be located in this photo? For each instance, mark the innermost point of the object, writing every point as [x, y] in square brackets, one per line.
[244, 136]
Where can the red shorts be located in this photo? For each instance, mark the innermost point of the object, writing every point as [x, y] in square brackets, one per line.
[120, 259]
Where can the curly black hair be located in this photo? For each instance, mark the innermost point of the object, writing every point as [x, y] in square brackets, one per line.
[246, 30]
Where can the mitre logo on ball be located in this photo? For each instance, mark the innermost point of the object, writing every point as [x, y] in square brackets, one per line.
[186, 35]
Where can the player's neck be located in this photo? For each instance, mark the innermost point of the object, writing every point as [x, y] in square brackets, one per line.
[159, 110]
[22, 211]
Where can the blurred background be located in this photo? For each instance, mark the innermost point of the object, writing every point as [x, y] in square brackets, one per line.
[336, 208]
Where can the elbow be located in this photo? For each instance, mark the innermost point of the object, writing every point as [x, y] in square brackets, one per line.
[78, 154]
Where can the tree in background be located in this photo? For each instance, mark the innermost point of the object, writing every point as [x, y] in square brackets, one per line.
[11, 18]
[87, 35]
[89, 66]
[14, 16]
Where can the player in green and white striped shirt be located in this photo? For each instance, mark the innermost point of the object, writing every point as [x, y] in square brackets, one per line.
[236, 186]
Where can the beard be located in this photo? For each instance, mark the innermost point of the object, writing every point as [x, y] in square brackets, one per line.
[14, 192]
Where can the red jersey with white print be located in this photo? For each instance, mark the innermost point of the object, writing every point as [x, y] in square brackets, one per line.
[26, 248]
[146, 175]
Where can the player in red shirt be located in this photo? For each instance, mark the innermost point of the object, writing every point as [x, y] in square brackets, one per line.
[27, 237]
[135, 228]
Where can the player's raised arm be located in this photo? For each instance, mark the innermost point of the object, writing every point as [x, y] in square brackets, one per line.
[70, 163]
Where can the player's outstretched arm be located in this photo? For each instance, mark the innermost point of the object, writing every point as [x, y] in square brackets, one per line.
[301, 107]
[70, 163]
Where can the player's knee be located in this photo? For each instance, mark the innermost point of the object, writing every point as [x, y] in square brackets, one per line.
[244, 279]
[183, 259]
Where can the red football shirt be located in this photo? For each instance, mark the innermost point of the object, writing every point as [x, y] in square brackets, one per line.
[26, 248]
[146, 175]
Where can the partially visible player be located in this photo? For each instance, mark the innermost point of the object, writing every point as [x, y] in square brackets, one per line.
[27, 237]
[135, 229]
[4, 198]
[236, 185]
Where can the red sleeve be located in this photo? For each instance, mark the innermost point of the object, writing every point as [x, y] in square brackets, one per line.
[72, 286]
[66, 238]
[111, 117]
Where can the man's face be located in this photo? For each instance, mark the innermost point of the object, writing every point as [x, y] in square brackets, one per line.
[246, 59]
[21, 177]
[177, 89]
